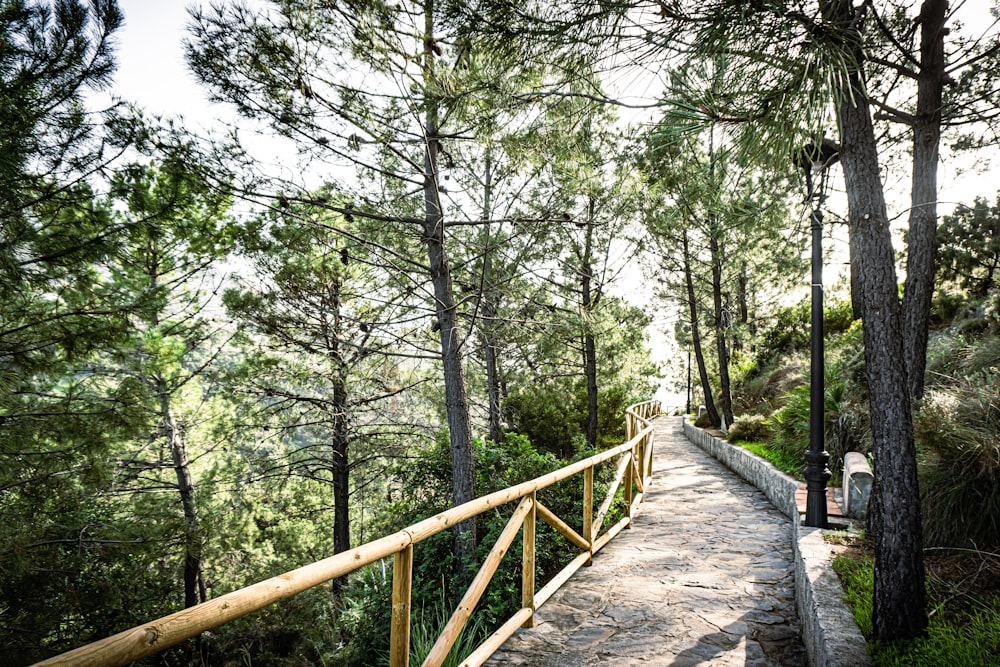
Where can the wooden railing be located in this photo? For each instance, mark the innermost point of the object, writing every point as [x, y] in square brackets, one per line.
[633, 476]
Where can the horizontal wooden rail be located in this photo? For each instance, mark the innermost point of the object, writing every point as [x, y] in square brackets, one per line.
[140, 641]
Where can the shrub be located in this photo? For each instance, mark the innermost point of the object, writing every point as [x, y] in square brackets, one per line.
[845, 419]
[957, 430]
[948, 305]
[751, 428]
[966, 632]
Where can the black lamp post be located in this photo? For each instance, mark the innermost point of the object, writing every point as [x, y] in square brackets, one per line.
[815, 160]
[687, 409]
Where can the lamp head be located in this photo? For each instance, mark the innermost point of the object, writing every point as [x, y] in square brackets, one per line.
[813, 159]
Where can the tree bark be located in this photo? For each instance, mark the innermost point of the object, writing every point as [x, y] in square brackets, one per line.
[456, 396]
[742, 304]
[922, 238]
[894, 518]
[720, 329]
[488, 326]
[194, 581]
[699, 355]
[492, 371]
[589, 344]
[340, 436]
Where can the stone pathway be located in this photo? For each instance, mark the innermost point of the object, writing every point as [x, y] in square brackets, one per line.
[704, 577]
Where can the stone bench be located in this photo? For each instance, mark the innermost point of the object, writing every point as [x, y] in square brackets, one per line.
[857, 485]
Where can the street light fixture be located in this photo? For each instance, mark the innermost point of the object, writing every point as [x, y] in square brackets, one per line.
[815, 160]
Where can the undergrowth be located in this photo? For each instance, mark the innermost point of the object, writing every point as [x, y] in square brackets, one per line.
[964, 628]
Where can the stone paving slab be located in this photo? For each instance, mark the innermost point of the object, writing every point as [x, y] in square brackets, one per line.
[704, 577]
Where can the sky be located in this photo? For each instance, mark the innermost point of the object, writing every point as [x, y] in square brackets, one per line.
[151, 68]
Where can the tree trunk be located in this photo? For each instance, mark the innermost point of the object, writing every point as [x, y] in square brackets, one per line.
[488, 326]
[340, 437]
[742, 305]
[456, 396]
[720, 327]
[194, 581]
[894, 518]
[340, 449]
[922, 237]
[492, 372]
[589, 344]
[699, 355]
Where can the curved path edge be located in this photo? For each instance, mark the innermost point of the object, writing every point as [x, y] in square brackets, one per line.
[830, 635]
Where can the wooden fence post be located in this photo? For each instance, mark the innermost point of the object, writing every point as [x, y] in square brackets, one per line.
[588, 510]
[628, 487]
[528, 562]
[399, 633]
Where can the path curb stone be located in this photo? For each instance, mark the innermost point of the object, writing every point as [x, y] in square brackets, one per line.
[829, 633]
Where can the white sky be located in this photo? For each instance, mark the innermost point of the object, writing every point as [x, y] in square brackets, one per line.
[151, 68]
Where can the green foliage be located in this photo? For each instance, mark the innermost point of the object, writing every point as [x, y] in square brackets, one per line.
[948, 305]
[960, 637]
[366, 618]
[969, 246]
[553, 415]
[845, 419]
[752, 428]
[426, 626]
[858, 578]
[788, 462]
[956, 430]
[791, 328]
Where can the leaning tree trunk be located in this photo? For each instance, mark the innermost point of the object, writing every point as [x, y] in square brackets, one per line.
[922, 237]
[720, 328]
[194, 581]
[456, 396]
[699, 355]
[894, 517]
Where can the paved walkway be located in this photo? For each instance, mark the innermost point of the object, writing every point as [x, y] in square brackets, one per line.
[705, 577]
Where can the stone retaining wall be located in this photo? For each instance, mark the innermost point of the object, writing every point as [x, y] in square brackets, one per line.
[829, 633]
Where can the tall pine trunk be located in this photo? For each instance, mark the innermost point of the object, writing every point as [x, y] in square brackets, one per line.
[339, 437]
[894, 516]
[194, 581]
[699, 354]
[488, 326]
[716, 251]
[456, 396]
[922, 237]
[589, 344]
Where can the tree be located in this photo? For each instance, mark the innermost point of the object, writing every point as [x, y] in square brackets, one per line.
[970, 246]
[53, 56]
[384, 89]
[953, 88]
[177, 230]
[320, 348]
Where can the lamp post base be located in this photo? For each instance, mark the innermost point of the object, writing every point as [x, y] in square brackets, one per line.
[817, 475]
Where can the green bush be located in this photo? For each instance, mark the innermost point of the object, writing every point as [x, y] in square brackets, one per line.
[948, 305]
[751, 428]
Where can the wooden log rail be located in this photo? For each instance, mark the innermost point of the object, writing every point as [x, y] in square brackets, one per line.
[633, 476]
